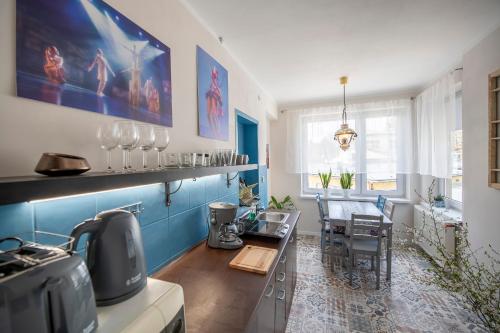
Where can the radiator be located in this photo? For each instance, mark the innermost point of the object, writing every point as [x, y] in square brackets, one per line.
[446, 228]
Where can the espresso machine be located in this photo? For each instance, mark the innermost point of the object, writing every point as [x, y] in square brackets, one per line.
[223, 226]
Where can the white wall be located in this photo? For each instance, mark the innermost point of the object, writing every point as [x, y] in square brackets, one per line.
[28, 128]
[481, 203]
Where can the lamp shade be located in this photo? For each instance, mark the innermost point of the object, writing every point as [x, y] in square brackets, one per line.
[345, 136]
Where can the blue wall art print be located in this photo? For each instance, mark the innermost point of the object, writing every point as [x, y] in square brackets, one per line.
[85, 54]
[213, 110]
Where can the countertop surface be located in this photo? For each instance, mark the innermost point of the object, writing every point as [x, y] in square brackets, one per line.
[219, 298]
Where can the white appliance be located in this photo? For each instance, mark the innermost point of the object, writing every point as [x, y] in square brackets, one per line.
[159, 307]
[447, 220]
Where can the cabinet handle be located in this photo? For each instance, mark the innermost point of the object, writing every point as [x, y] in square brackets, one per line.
[281, 277]
[282, 297]
[271, 292]
[283, 259]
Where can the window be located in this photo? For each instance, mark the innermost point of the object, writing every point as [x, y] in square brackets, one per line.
[381, 154]
[322, 154]
[378, 157]
[453, 188]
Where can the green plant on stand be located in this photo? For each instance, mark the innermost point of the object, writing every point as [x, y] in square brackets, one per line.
[325, 181]
[346, 182]
[286, 203]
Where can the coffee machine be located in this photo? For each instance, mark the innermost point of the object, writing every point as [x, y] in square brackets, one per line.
[223, 228]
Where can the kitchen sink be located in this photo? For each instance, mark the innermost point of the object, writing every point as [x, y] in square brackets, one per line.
[275, 217]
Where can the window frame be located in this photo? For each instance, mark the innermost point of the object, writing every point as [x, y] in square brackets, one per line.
[447, 184]
[361, 178]
[361, 190]
[312, 191]
[400, 190]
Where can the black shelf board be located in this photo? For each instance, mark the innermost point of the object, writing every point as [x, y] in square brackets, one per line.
[37, 187]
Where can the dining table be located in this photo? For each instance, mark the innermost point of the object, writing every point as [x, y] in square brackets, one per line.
[340, 212]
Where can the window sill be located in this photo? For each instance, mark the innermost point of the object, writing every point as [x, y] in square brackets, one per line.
[356, 198]
[453, 214]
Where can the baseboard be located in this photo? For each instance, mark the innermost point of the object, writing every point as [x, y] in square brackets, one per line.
[308, 233]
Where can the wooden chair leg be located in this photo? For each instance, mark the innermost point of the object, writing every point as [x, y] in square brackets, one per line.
[351, 257]
[322, 245]
[378, 272]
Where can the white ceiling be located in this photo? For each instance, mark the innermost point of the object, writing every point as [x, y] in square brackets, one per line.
[297, 49]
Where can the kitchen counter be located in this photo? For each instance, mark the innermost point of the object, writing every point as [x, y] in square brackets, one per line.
[219, 298]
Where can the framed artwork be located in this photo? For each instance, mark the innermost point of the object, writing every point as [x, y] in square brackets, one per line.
[213, 111]
[85, 54]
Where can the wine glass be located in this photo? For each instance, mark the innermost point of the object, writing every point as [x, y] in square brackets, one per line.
[146, 142]
[162, 139]
[136, 143]
[108, 135]
[129, 136]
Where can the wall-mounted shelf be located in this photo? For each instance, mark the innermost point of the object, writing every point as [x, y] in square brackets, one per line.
[494, 129]
[28, 188]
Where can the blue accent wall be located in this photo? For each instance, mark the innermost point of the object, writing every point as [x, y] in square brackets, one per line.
[247, 132]
[167, 232]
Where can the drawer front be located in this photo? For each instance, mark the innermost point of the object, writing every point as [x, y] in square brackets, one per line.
[266, 311]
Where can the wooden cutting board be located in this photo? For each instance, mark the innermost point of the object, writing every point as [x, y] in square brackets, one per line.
[255, 259]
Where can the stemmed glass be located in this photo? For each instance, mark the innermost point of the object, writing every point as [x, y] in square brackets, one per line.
[146, 142]
[129, 136]
[162, 139]
[109, 137]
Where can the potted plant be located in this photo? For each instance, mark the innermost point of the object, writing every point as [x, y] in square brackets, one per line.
[346, 182]
[325, 181]
[286, 203]
[439, 201]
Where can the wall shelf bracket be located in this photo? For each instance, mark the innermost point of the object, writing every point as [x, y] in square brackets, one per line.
[168, 202]
[229, 180]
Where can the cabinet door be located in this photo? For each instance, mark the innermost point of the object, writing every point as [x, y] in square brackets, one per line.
[291, 269]
[266, 309]
[281, 294]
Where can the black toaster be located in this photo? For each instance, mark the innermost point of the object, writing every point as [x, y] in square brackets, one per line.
[45, 289]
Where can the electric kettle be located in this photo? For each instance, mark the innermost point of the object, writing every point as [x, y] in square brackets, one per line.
[115, 255]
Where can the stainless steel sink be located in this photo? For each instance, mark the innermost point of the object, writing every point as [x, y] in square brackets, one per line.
[275, 217]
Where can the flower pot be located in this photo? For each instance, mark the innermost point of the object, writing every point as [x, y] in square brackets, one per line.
[347, 192]
[439, 204]
[325, 192]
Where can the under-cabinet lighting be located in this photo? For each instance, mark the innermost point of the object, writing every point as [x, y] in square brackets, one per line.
[89, 193]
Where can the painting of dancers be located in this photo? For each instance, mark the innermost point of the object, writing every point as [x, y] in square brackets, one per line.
[86, 55]
[213, 110]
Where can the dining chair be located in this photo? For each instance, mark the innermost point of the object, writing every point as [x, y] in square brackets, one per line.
[389, 213]
[381, 202]
[359, 241]
[337, 248]
[388, 209]
[325, 226]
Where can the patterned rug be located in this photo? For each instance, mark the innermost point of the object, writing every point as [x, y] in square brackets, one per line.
[325, 302]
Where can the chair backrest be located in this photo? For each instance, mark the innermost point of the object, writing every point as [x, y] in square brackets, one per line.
[381, 202]
[389, 209]
[365, 227]
[320, 207]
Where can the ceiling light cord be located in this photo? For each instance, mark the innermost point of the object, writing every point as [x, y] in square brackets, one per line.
[344, 113]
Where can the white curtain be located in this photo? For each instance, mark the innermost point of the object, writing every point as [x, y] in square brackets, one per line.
[435, 119]
[384, 143]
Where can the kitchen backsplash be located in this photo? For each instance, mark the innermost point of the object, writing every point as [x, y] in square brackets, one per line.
[167, 231]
